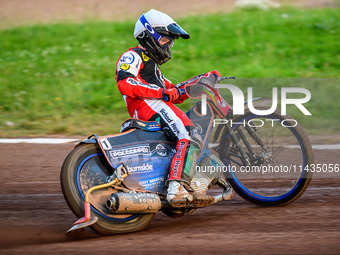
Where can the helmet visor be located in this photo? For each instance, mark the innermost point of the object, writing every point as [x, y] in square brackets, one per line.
[175, 29]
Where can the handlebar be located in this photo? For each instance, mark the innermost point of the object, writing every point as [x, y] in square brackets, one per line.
[225, 78]
[180, 86]
[196, 77]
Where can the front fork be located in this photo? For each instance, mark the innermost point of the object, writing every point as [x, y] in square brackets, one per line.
[253, 158]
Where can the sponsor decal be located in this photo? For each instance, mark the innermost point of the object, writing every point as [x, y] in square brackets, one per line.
[195, 136]
[180, 148]
[144, 168]
[137, 66]
[128, 58]
[174, 128]
[145, 57]
[178, 158]
[106, 145]
[166, 115]
[134, 82]
[149, 28]
[152, 182]
[124, 66]
[198, 129]
[130, 151]
[125, 125]
[177, 163]
[161, 150]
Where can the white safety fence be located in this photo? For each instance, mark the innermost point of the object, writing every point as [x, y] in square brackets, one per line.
[39, 140]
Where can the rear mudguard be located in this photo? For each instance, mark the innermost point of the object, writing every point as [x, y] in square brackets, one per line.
[91, 139]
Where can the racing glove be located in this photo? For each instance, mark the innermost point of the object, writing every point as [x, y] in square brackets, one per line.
[171, 95]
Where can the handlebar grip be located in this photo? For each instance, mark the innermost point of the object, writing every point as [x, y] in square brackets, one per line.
[183, 91]
[166, 98]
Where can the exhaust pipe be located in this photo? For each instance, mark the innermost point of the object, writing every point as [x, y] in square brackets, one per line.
[146, 203]
[141, 203]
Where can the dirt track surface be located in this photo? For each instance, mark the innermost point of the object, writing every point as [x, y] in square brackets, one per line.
[34, 217]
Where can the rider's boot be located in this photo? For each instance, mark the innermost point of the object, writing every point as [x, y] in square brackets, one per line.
[177, 195]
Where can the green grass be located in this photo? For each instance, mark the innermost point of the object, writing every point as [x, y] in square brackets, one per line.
[59, 78]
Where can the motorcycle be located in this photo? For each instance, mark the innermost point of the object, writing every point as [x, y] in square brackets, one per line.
[118, 181]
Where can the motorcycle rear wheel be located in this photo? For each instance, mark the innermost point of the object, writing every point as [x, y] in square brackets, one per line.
[85, 167]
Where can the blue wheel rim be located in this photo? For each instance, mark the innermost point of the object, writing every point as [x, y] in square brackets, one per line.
[81, 192]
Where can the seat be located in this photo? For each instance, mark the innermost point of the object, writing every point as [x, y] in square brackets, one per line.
[140, 124]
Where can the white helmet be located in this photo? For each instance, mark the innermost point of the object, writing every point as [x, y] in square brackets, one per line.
[150, 27]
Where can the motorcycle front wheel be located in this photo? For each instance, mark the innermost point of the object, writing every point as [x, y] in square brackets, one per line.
[85, 167]
[280, 155]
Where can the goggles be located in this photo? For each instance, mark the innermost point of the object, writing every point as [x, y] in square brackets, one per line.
[166, 42]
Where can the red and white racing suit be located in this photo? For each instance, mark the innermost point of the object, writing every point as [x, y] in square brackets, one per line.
[141, 83]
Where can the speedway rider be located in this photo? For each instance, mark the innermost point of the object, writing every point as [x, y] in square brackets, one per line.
[151, 97]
